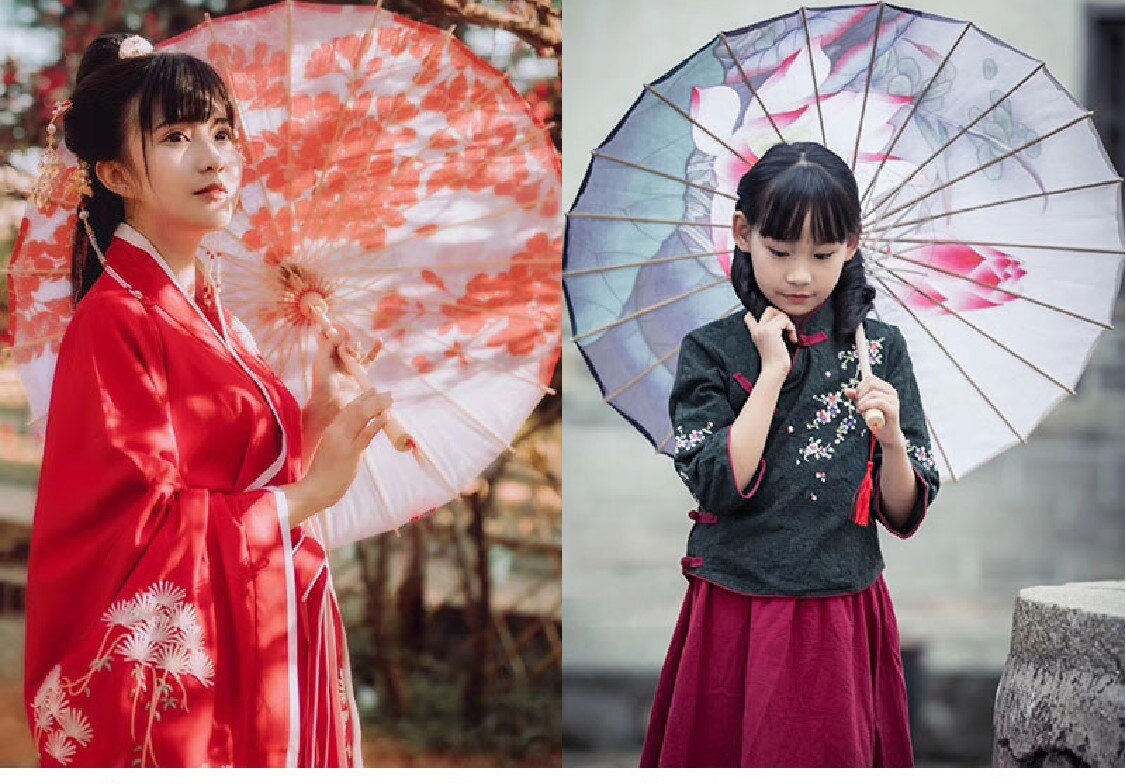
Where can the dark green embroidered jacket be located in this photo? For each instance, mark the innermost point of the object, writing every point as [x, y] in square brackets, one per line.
[790, 530]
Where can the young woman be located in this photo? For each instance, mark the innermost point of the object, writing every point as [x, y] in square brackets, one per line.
[786, 652]
[178, 612]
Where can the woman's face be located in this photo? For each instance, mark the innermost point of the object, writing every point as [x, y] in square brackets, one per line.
[803, 268]
[184, 159]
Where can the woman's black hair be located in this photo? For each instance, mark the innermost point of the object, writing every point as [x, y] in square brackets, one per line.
[790, 181]
[109, 91]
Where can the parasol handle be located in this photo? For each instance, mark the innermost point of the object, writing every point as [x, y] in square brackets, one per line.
[873, 417]
[313, 305]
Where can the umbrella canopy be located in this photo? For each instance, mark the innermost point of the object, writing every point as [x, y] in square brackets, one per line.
[992, 221]
[402, 180]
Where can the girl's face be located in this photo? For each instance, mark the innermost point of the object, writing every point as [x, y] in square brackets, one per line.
[184, 159]
[786, 269]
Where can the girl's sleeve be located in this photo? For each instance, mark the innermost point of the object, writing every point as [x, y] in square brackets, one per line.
[901, 375]
[156, 611]
[702, 417]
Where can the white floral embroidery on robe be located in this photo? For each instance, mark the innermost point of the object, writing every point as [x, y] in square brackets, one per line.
[164, 640]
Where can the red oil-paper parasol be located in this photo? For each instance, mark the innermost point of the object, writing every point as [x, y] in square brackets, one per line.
[395, 185]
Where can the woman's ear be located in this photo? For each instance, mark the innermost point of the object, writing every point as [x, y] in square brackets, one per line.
[852, 245]
[742, 231]
[115, 177]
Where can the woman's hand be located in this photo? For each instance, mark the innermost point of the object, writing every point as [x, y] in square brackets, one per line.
[874, 392]
[767, 336]
[337, 461]
[333, 386]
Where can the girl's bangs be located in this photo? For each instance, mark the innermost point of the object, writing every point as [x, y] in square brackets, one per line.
[806, 190]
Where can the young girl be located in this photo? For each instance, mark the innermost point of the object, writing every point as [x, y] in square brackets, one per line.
[786, 652]
[178, 613]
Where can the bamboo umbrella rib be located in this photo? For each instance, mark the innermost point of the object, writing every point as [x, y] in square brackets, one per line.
[610, 397]
[628, 219]
[665, 441]
[646, 310]
[686, 116]
[465, 414]
[353, 88]
[372, 474]
[289, 126]
[337, 204]
[1031, 246]
[971, 172]
[641, 263]
[930, 425]
[667, 176]
[1000, 202]
[519, 144]
[507, 311]
[747, 81]
[867, 84]
[491, 365]
[942, 148]
[949, 356]
[984, 334]
[813, 75]
[914, 107]
[983, 284]
[209, 25]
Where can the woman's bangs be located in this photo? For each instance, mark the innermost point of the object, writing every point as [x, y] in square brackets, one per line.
[186, 90]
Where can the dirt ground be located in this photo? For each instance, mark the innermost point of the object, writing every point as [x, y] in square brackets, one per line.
[18, 751]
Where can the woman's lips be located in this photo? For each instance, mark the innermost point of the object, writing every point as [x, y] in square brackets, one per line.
[213, 193]
[797, 297]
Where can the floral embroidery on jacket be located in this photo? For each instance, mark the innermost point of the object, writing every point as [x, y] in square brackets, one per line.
[833, 405]
[816, 450]
[692, 439]
[920, 454]
[163, 638]
[875, 354]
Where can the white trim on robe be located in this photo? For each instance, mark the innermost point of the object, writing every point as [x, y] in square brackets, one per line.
[135, 238]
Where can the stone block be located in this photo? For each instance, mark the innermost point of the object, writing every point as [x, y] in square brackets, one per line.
[1060, 699]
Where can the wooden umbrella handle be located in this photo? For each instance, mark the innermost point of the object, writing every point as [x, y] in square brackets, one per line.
[314, 305]
[873, 417]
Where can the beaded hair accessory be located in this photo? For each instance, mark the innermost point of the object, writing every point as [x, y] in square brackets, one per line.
[49, 167]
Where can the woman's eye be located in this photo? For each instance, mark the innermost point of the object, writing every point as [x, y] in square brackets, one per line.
[225, 133]
[778, 254]
[824, 256]
[172, 136]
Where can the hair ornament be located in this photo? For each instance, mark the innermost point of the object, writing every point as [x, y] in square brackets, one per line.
[134, 46]
[49, 166]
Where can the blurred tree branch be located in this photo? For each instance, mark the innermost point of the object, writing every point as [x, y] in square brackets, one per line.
[537, 23]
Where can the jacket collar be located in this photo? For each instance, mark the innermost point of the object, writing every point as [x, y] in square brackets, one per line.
[817, 325]
[137, 260]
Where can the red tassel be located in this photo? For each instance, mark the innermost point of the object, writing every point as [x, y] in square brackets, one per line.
[861, 510]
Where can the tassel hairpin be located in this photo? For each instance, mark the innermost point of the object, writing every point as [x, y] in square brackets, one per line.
[78, 183]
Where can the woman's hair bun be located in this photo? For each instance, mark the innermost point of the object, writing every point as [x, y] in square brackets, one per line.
[102, 51]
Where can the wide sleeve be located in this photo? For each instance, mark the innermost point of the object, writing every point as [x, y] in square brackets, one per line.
[901, 375]
[160, 616]
[702, 417]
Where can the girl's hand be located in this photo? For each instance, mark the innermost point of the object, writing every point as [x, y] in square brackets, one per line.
[874, 392]
[767, 336]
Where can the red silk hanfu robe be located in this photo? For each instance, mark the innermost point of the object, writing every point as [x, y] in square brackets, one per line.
[173, 617]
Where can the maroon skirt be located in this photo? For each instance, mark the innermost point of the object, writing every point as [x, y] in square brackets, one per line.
[777, 681]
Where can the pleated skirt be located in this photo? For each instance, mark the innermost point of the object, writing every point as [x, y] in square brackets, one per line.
[765, 681]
